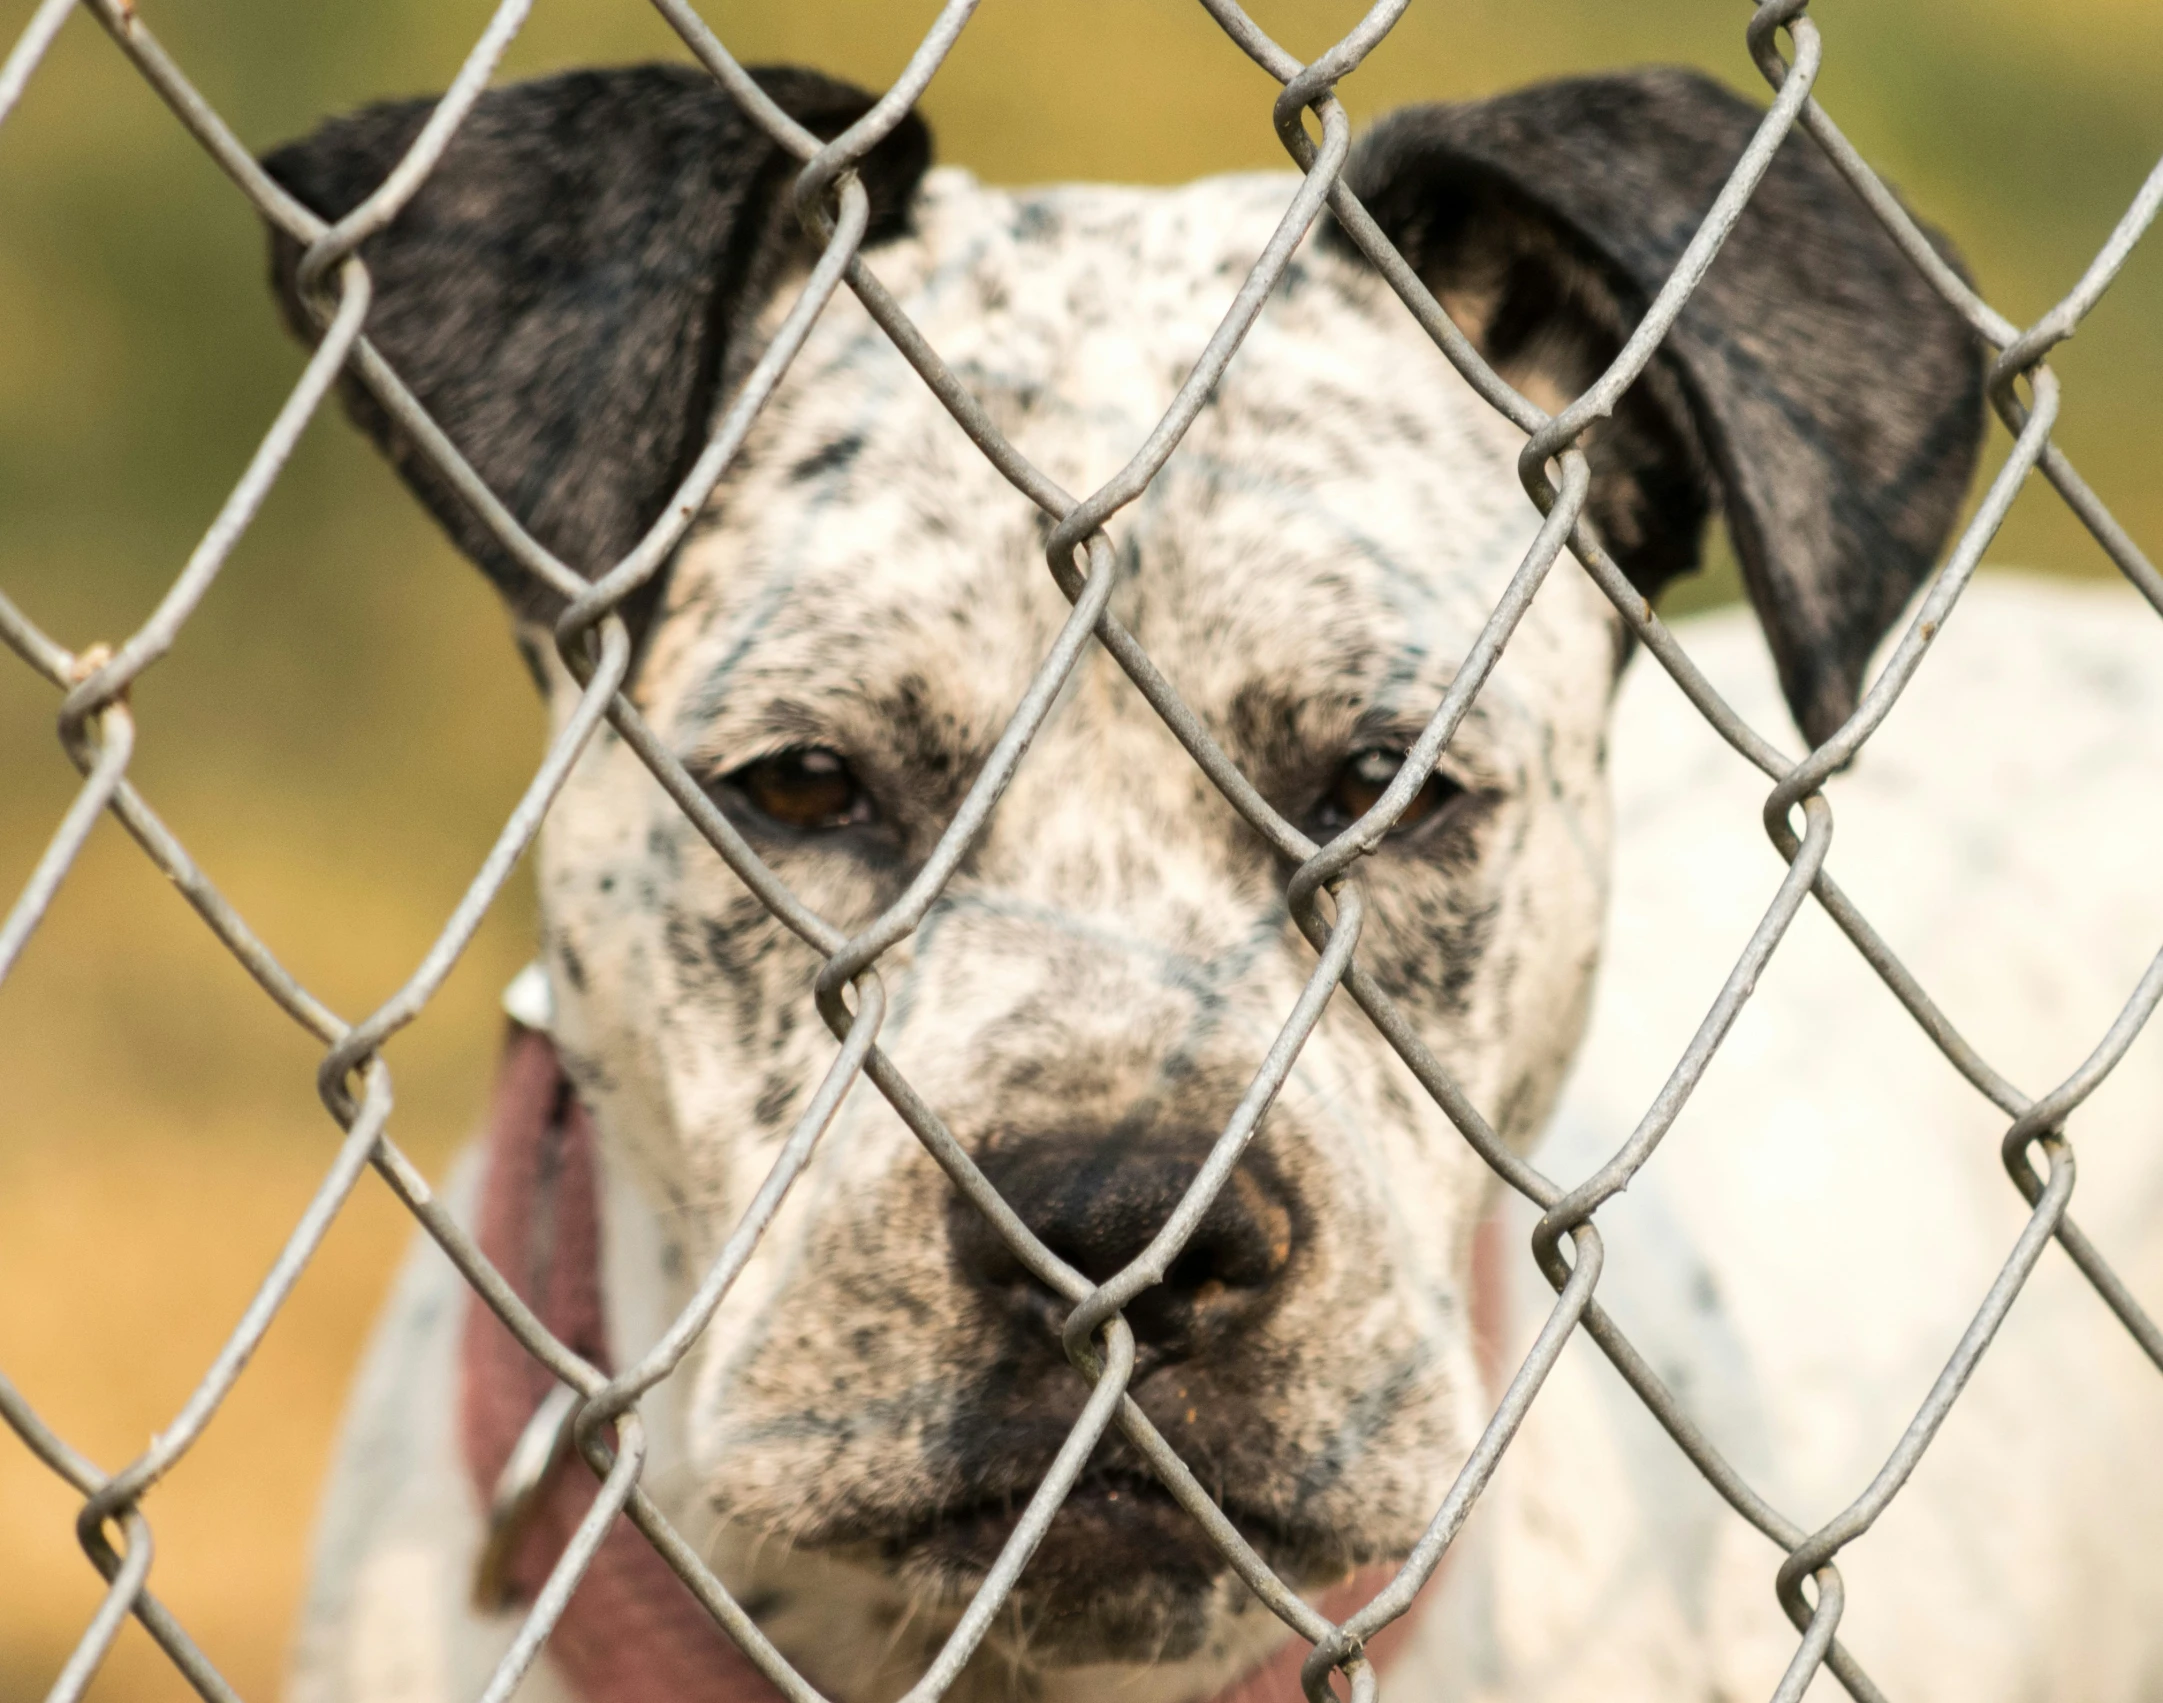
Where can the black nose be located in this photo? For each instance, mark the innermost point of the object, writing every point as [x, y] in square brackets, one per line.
[1098, 1201]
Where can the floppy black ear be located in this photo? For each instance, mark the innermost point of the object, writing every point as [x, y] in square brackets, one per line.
[1815, 385]
[565, 292]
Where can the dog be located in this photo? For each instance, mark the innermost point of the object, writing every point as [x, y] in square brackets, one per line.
[834, 650]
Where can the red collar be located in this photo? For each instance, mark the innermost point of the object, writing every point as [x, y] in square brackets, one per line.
[632, 1632]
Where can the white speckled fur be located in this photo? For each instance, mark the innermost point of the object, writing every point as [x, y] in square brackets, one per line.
[1323, 548]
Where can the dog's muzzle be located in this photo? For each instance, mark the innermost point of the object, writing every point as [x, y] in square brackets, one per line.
[633, 1632]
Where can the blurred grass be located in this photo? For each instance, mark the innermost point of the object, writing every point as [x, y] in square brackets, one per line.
[342, 727]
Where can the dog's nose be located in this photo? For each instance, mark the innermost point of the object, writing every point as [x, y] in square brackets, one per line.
[1097, 1202]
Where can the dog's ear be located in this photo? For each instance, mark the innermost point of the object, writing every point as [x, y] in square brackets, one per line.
[1815, 386]
[567, 293]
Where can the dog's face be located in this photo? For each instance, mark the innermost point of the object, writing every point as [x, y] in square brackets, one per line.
[843, 637]
[1089, 999]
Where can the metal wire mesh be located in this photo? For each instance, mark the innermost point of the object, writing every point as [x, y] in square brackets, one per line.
[97, 731]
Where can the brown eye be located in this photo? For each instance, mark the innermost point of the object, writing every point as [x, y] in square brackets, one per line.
[810, 790]
[1359, 786]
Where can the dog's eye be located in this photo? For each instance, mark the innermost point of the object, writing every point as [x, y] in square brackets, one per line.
[1359, 786]
[809, 790]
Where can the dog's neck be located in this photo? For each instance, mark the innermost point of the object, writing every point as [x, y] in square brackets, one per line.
[576, 1238]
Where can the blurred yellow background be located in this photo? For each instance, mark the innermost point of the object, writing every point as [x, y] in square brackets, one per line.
[342, 727]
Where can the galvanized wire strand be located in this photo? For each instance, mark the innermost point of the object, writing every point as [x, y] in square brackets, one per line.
[1597, 402]
[2055, 1107]
[127, 1486]
[29, 49]
[1859, 1515]
[156, 635]
[182, 1651]
[1147, 1268]
[173, 862]
[698, 484]
[554, 1595]
[112, 1613]
[113, 745]
[2061, 321]
[1579, 1204]
[1659, 640]
[1717, 1471]
[676, 1341]
[742, 87]
[1188, 1491]
[713, 1596]
[134, 38]
[23, 636]
[857, 141]
[1043, 1505]
[719, 832]
[1201, 382]
[382, 204]
[1311, 86]
[1367, 832]
[2118, 544]
[1992, 327]
[1572, 1296]
[510, 845]
[51, 1449]
[1817, 1641]
[901, 918]
[487, 1283]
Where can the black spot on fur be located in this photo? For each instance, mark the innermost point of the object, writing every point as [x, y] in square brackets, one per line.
[1037, 221]
[775, 1099]
[834, 458]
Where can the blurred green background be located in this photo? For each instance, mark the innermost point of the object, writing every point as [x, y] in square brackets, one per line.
[342, 728]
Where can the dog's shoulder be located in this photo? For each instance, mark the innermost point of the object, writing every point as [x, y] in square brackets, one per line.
[1996, 834]
[1822, 1221]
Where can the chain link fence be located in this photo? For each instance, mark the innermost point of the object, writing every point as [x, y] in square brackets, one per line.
[98, 732]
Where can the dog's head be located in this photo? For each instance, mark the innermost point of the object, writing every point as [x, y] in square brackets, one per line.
[847, 630]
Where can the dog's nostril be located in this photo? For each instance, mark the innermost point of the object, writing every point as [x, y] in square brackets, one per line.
[1243, 1242]
[1098, 1202]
